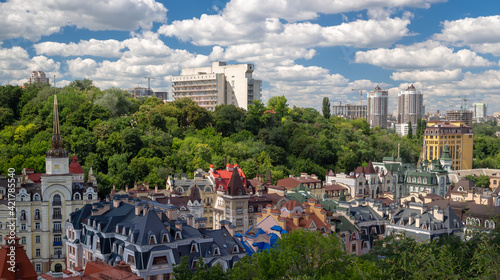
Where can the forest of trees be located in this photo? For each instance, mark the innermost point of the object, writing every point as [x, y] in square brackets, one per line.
[144, 140]
[304, 255]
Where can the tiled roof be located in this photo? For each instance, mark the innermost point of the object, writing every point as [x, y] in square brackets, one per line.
[74, 166]
[222, 177]
[235, 186]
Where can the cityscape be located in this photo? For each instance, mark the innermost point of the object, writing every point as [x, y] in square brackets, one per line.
[256, 140]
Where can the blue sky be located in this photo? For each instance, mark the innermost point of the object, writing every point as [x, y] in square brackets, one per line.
[303, 49]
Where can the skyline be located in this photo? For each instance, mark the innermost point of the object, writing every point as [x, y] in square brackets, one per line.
[302, 50]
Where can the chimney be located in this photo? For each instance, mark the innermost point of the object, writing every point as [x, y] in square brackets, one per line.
[114, 187]
[190, 220]
[296, 219]
[116, 203]
[178, 225]
[135, 185]
[124, 266]
[417, 221]
[147, 186]
[126, 188]
[306, 216]
[156, 188]
[138, 209]
[172, 212]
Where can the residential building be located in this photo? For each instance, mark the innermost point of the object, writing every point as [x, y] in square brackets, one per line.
[377, 107]
[38, 78]
[218, 84]
[140, 92]
[464, 116]
[457, 136]
[44, 201]
[309, 181]
[410, 106]
[150, 239]
[479, 112]
[423, 223]
[349, 111]
[403, 128]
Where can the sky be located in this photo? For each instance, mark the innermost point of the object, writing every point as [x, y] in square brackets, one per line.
[302, 49]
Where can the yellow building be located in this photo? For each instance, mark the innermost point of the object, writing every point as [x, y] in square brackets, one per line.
[458, 137]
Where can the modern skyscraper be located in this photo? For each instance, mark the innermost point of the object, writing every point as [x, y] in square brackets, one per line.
[38, 78]
[410, 105]
[479, 112]
[377, 107]
[218, 84]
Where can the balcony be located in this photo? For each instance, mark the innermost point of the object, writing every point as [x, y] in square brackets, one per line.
[22, 218]
[58, 256]
[57, 243]
[37, 217]
[56, 230]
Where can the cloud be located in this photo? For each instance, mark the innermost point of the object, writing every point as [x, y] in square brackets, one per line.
[489, 79]
[428, 75]
[471, 30]
[218, 30]
[42, 18]
[429, 54]
[93, 47]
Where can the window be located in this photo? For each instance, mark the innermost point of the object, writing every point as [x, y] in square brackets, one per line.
[239, 210]
[195, 263]
[23, 240]
[160, 260]
[38, 267]
[22, 217]
[228, 210]
[250, 208]
[36, 197]
[23, 226]
[37, 239]
[0, 225]
[236, 249]
[259, 208]
[37, 226]
[131, 259]
[77, 196]
[37, 214]
[194, 248]
[56, 214]
[58, 267]
[57, 238]
[37, 252]
[165, 239]
[216, 251]
[152, 240]
[57, 227]
[177, 235]
[56, 200]
[89, 197]
[239, 222]
[250, 221]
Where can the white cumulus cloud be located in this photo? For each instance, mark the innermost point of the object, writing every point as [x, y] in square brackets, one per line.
[428, 75]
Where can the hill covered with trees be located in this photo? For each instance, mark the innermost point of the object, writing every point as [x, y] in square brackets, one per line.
[144, 140]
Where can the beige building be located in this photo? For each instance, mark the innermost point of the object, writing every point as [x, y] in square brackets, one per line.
[44, 202]
[349, 111]
[377, 107]
[218, 84]
[38, 78]
[410, 106]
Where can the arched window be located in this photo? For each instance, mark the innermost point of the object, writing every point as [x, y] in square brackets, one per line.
[56, 200]
[77, 196]
[37, 214]
[36, 197]
[58, 267]
[152, 240]
[89, 197]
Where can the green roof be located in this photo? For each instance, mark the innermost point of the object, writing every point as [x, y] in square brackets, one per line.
[343, 224]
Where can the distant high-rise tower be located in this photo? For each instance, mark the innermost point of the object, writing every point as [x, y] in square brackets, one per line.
[410, 105]
[38, 78]
[479, 112]
[377, 107]
[218, 84]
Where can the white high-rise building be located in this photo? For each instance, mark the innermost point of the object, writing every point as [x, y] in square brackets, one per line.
[479, 112]
[410, 105]
[377, 107]
[218, 84]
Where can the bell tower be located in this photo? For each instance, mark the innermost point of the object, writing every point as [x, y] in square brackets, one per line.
[56, 159]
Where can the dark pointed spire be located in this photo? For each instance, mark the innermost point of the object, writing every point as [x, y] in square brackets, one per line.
[235, 186]
[57, 150]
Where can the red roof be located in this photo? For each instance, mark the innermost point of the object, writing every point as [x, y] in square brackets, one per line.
[75, 167]
[24, 268]
[35, 177]
[222, 177]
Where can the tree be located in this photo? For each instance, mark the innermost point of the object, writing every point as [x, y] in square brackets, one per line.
[326, 107]
[410, 131]
[278, 104]
[116, 101]
[84, 84]
[229, 119]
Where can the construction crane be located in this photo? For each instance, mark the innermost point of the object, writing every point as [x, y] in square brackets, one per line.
[360, 95]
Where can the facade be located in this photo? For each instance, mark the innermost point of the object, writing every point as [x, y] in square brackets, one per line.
[349, 111]
[309, 181]
[479, 112]
[464, 116]
[402, 128]
[150, 239]
[410, 106]
[218, 84]
[457, 136]
[38, 78]
[377, 107]
[44, 202]
[423, 223]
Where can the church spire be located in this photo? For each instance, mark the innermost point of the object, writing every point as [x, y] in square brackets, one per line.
[57, 150]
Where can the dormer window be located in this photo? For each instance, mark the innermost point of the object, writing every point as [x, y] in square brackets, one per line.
[194, 248]
[236, 249]
[152, 240]
[164, 239]
[77, 196]
[36, 197]
[195, 263]
[178, 235]
[216, 252]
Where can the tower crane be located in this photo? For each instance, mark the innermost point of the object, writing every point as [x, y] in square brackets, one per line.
[360, 95]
